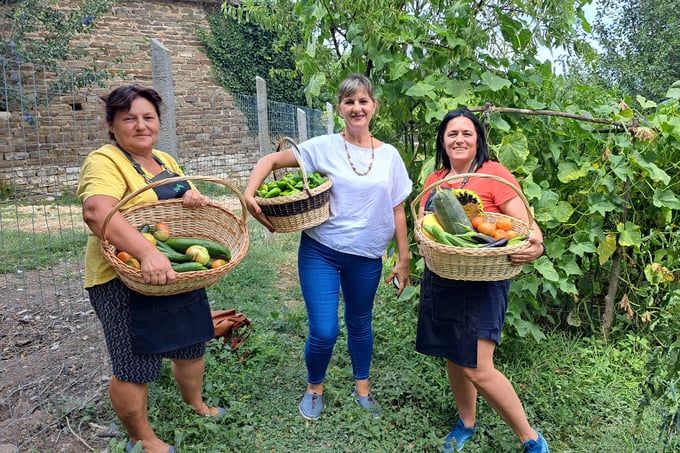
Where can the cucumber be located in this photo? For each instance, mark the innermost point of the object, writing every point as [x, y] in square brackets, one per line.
[215, 249]
[172, 255]
[188, 267]
[450, 213]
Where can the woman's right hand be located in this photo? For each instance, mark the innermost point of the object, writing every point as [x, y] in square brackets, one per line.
[156, 268]
[256, 212]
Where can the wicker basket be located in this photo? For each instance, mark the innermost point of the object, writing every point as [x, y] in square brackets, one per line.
[476, 264]
[212, 221]
[298, 212]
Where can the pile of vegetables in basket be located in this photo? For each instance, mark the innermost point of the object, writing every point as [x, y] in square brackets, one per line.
[464, 225]
[185, 253]
[290, 184]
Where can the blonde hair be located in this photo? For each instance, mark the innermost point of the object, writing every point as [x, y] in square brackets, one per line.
[354, 83]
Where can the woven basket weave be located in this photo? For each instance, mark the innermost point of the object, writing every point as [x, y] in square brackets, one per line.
[473, 264]
[212, 221]
[307, 209]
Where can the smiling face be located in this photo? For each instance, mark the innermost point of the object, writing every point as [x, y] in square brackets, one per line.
[460, 142]
[357, 109]
[136, 130]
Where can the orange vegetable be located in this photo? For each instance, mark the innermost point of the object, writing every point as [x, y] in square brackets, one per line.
[487, 228]
[504, 223]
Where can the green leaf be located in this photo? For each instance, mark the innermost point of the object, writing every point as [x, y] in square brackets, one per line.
[408, 294]
[570, 266]
[606, 248]
[655, 173]
[513, 151]
[494, 82]
[497, 121]
[315, 83]
[665, 198]
[573, 318]
[581, 248]
[535, 105]
[568, 171]
[420, 90]
[398, 69]
[644, 103]
[673, 93]
[545, 267]
[629, 234]
[531, 190]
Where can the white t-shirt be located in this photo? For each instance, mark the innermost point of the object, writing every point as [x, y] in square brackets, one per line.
[361, 221]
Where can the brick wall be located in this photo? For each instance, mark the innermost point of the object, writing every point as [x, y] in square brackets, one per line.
[41, 153]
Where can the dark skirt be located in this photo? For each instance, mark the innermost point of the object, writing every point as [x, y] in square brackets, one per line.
[454, 314]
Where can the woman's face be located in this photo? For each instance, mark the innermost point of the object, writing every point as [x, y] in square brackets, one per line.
[460, 141]
[137, 130]
[357, 110]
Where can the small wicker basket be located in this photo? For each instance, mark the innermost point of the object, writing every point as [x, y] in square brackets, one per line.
[309, 208]
[473, 264]
[212, 221]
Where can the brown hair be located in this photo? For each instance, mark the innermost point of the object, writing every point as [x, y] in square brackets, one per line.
[120, 100]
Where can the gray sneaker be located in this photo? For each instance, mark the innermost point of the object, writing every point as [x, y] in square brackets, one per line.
[311, 405]
[369, 403]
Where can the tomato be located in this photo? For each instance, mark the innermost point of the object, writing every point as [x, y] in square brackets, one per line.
[488, 228]
[199, 254]
[476, 221]
[499, 234]
[503, 223]
[511, 234]
[161, 231]
[217, 263]
[132, 262]
[123, 256]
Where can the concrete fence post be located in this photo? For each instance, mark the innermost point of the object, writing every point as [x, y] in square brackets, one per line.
[302, 125]
[161, 76]
[262, 116]
[329, 118]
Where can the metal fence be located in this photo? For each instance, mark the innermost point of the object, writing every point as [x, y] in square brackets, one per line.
[52, 355]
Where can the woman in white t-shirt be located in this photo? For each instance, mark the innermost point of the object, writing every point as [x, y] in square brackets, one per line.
[370, 184]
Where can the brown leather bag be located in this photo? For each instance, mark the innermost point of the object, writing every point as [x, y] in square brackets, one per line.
[232, 326]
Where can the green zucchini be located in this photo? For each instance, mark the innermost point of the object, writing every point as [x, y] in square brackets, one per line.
[172, 254]
[188, 267]
[215, 249]
[450, 213]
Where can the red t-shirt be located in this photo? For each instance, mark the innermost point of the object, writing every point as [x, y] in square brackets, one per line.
[493, 193]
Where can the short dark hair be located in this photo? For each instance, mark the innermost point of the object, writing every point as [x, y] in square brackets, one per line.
[120, 100]
[442, 159]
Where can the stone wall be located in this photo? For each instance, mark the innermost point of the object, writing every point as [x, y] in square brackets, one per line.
[45, 136]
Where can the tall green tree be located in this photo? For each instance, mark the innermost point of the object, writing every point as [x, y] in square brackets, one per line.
[641, 45]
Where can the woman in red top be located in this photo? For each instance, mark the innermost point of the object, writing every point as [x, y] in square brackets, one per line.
[462, 320]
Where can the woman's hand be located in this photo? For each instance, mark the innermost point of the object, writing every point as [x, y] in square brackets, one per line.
[529, 254]
[156, 268]
[194, 199]
[256, 212]
[401, 273]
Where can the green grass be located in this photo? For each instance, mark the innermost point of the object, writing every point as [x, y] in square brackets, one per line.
[27, 250]
[581, 393]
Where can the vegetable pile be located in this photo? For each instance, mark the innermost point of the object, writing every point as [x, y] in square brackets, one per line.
[449, 225]
[185, 253]
[291, 184]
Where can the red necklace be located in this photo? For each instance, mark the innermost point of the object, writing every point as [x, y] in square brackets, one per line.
[349, 158]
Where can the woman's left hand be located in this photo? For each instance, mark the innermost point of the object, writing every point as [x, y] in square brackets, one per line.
[401, 273]
[529, 254]
[194, 199]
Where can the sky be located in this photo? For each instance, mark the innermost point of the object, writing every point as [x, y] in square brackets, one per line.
[553, 55]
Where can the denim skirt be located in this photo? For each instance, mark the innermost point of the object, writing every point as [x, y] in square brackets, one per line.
[454, 314]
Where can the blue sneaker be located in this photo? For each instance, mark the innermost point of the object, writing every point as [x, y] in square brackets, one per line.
[457, 438]
[311, 406]
[536, 446]
[368, 403]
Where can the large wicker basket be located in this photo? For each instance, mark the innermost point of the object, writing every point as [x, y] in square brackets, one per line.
[212, 221]
[476, 264]
[309, 208]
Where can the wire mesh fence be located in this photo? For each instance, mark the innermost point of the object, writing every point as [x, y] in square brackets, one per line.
[52, 355]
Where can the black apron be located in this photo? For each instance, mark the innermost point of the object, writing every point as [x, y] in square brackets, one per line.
[161, 324]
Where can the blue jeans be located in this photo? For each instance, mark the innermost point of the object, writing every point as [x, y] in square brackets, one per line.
[323, 271]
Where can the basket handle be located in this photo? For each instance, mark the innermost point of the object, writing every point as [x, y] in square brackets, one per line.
[298, 158]
[174, 179]
[468, 175]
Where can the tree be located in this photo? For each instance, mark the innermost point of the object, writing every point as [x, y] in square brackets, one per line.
[239, 52]
[641, 45]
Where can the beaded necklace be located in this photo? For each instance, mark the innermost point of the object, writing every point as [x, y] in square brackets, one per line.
[349, 158]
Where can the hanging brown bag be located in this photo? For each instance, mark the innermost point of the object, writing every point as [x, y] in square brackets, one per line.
[232, 326]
